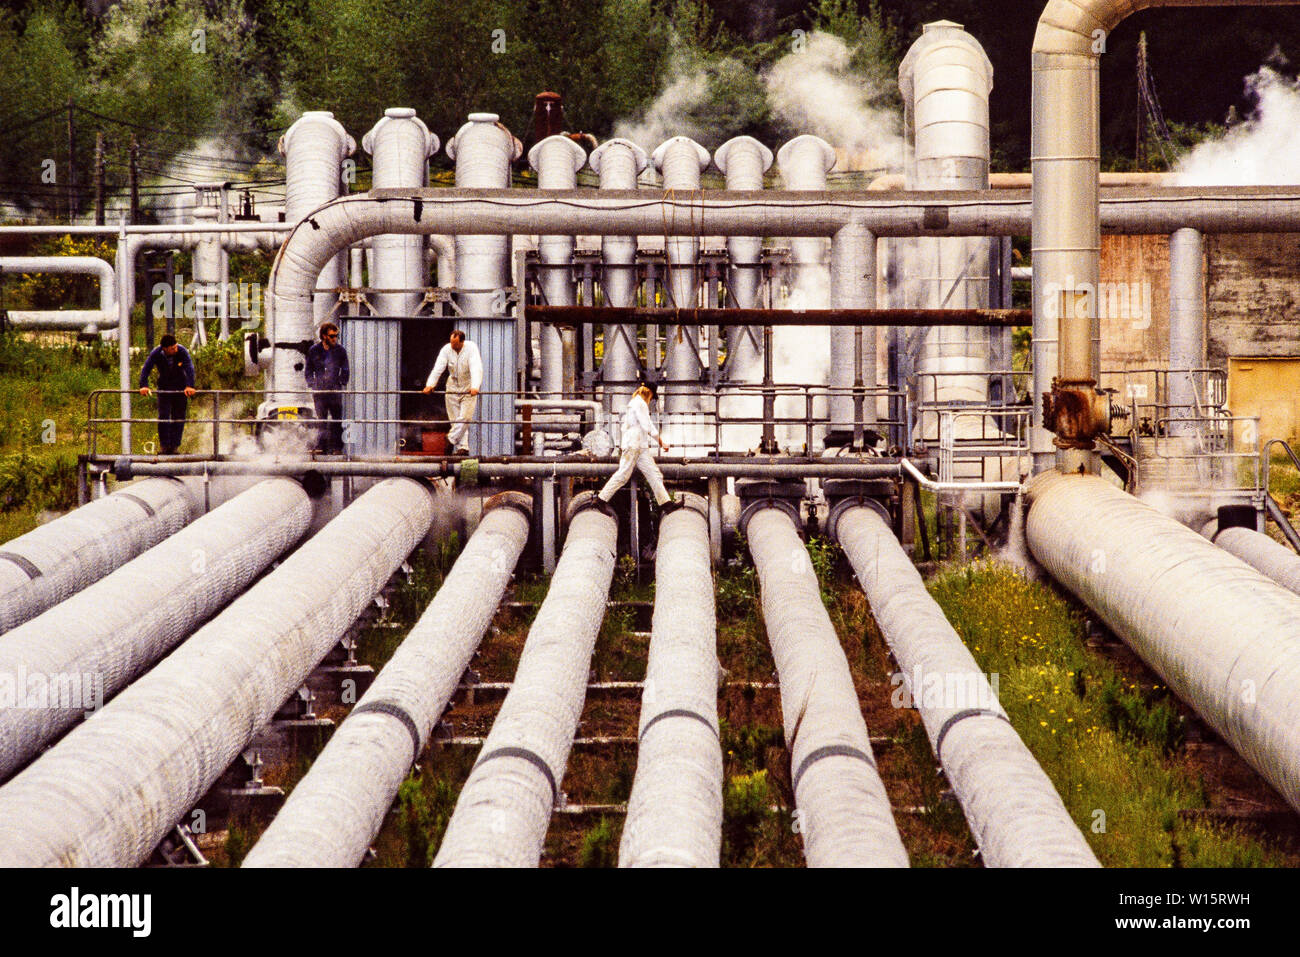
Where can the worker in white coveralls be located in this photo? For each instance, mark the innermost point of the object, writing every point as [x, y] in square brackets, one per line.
[464, 368]
[638, 430]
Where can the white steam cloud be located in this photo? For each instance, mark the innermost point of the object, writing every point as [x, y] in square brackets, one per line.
[1258, 152]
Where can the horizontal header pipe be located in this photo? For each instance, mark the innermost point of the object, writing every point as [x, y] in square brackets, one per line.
[591, 315]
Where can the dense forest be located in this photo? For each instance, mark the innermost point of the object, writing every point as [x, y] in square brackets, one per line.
[214, 82]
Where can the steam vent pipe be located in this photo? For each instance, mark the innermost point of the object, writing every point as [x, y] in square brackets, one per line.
[337, 809]
[119, 626]
[1066, 149]
[557, 160]
[843, 810]
[483, 150]
[1013, 810]
[680, 161]
[108, 792]
[48, 564]
[744, 160]
[1221, 635]
[618, 163]
[1186, 326]
[400, 146]
[674, 816]
[505, 807]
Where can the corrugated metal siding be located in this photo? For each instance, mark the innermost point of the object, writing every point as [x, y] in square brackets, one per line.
[495, 339]
[374, 351]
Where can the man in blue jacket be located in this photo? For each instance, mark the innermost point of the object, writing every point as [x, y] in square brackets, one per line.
[175, 386]
[327, 375]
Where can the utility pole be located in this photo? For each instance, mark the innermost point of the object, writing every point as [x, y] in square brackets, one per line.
[72, 164]
[99, 178]
[134, 164]
[1139, 152]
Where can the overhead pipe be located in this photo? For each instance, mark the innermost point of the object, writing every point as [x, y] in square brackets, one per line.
[680, 161]
[674, 815]
[893, 181]
[945, 80]
[843, 811]
[1010, 805]
[85, 320]
[853, 348]
[1066, 161]
[619, 163]
[334, 812]
[1218, 633]
[483, 150]
[1257, 550]
[112, 631]
[556, 160]
[504, 808]
[55, 561]
[400, 146]
[1186, 329]
[108, 792]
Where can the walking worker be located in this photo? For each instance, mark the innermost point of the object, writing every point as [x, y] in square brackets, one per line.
[464, 367]
[175, 386]
[638, 430]
[327, 376]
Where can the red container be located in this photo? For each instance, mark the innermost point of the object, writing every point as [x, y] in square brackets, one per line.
[433, 443]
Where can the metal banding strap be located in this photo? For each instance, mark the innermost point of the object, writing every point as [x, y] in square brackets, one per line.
[677, 713]
[402, 715]
[830, 751]
[148, 509]
[533, 758]
[960, 716]
[31, 570]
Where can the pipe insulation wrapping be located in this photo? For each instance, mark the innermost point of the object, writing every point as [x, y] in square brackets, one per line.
[111, 632]
[674, 815]
[42, 568]
[843, 810]
[504, 809]
[556, 160]
[106, 794]
[336, 810]
[1012, 808]
[1259, 552]
[1221, 635]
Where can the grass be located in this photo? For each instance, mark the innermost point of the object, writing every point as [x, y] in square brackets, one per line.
[1112, 747]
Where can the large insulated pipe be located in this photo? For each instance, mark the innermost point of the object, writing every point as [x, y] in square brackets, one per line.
[1066, 158]
[1221, 635]
[1011, 806]
[680, 161]
[674, 816]
[803, 355]
[744, 161]
[483, 150]
[337, 809]
[400, 146]
[48, 564]
[314, 149]
[557, 160]
[1259, 552]
[109, 633]
[1186, 327]
[853, 349]
[108, 792]
[945, 81]
[89, 320]
[505, 807]
[618, 163]
[209, 279]
[843, 810]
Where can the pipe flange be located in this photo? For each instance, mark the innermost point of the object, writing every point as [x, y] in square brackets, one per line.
[857, 501]
[511, 499]
[122, 468]
[756, 506]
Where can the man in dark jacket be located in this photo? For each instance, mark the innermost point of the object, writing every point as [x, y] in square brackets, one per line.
[175, 386]
[327, 375]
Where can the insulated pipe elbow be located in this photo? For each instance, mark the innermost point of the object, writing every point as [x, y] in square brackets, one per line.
[557, 160]
[50, 563]
[843, 810]
[1221, 635]
[1013, 809]
[744, 161]
[504, 809]
[674, 815]
[334, 813]
[108, 792]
